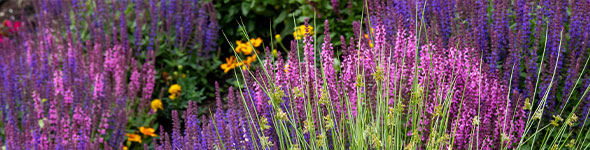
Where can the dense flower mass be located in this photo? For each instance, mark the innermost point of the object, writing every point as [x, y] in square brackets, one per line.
[437, 74]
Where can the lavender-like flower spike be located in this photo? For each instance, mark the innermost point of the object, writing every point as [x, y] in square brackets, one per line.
[586, 107]
[170, 14]
[177, 140]
[219, 116]
[335, 6]
[135, 79]
[149, 72]
[138, 25]
[231, 115]
[212, 30]
[154, 26]
[328, 68]
[123, 27]
[309, 56]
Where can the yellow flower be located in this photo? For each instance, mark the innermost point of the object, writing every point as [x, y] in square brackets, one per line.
[256, 42]
[230, 63]
[296, 35]
[172, 96]
[125, 148]
[156, 104]
[174, 89]
[556, 120]
[301, 32]
[133, 137]
[147, 131]
[287, 68]
[275, 53]
[278, 37]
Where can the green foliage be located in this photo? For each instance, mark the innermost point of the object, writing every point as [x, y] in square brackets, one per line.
[282, 17]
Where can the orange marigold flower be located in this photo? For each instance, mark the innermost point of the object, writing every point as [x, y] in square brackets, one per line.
[133, 137]
[250, 59]
[230, 63]
[147, 131]
[256, 42]
[245, 49]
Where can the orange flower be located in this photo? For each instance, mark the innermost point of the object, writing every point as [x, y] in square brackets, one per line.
[256, 42]
[147, 131]
[245, 49]
[230, 63]
[250, 59]
[133, 137]
[238, 44]
[367, 37]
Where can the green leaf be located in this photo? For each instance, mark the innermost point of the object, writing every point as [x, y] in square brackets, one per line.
[231, 11]
[336, 64]
[280, 18]
[245, 9]
[169, 63]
